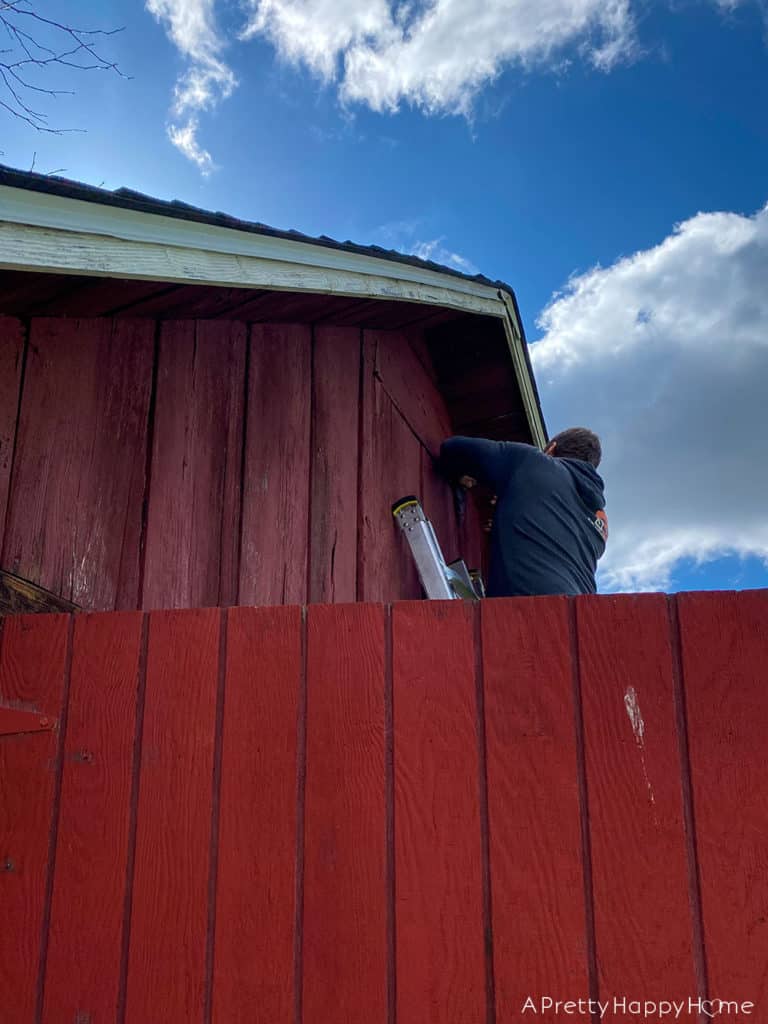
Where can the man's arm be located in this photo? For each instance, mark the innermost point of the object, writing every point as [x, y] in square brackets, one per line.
[489, 463]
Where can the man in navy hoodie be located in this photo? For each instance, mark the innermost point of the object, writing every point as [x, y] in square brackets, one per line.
[550, 526]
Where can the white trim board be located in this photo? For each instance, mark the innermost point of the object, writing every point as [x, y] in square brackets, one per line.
[44, 233]
[23, 247]
[41, 210]
[515, 344]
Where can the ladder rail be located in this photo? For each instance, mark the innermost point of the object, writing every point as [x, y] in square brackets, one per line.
[440, 581]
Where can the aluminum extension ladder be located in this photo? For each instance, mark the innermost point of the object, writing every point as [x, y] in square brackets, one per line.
[441, 581]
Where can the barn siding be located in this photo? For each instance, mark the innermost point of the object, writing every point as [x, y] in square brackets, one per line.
[201, 463]
[193, 487]
[273, 566]
[77, 481]
[11, 363]
[335, 443]
[430, 811]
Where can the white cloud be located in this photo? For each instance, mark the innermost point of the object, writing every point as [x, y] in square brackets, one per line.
[434, 54]
[438, 54]
[191, 26]
[184, 138]
[437, 252]
[665, 355]
[403, 236]
[316, 32]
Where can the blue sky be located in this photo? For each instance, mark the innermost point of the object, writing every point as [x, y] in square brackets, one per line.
[607, 158]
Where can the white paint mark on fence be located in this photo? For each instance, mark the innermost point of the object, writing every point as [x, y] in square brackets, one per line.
[632, 706]
[635, 718]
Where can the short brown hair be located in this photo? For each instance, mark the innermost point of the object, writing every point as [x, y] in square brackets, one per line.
[578, 443]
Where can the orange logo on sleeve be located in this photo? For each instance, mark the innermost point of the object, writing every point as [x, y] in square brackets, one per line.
[601, 523]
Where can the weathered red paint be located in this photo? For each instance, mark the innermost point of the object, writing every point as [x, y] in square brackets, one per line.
[76, 491]
[391, 468]
[273, 565]
[193, 463]
[193, 520]
[334, 465]
[11, 360]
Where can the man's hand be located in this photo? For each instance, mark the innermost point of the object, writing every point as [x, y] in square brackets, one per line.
[486, 503]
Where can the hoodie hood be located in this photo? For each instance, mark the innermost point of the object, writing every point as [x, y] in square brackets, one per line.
[588, 482]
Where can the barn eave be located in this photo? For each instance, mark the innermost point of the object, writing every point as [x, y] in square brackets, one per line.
[50, 226]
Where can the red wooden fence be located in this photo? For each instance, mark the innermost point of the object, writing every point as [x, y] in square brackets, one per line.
[430, 813]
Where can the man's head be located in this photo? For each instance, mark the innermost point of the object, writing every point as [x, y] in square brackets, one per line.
[576, 443]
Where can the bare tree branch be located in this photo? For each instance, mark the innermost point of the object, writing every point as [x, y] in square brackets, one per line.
[38, 45]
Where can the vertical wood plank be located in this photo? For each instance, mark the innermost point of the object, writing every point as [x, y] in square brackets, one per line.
[11, 359]
[438, 868]
[539, 942]
[233, 338]
[169, 916]
[643, 925]
[255, 904]
[74, 516]
[273, 566]
[86, 930]
[417, 339]
[411, 388]
[32, 677]
[724, 646]
[345, 890]
[333, 539]
[437, 499]
[391, 468]
[194, 501]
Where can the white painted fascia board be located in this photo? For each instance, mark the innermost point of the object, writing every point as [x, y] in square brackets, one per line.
[47, 250]
[45, 233]
[59, 213]
[515, 343]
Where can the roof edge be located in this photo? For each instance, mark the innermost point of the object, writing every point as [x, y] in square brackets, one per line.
[138, 202]
[153, 248]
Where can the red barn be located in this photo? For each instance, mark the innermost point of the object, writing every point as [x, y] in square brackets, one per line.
[241, 786]
[200, 411]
